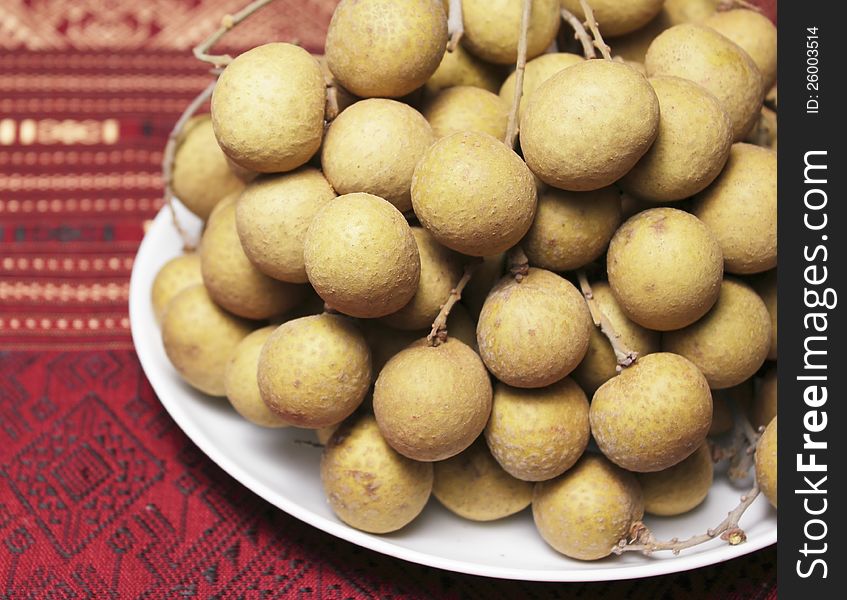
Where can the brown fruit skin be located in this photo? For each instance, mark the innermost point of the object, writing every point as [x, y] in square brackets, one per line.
[385, 48]
[665, 268]
[755, 33]
[460, 67]
[432, 402]
[584, 513]
[233, 281]
[272, 216]
[485, 277]
[199, 337]
[473, 486]
[492, 28]
[766, 286]
[680, 488]
[704, 56]
[571, 229]
[695, 135]
[766, 469]
[373, 147]
[740, 207]
[600, 363]
[475, 195]
[315, 371]
[361, 256]
[570, 144]
[764, 402]
[653, 415]
[466, 108]
[174, 276]
[370, 486]
[538, 434]
[201, 173]
[537, 71]
[268, 108]
[730, 342]
[533, 333]
[616, 17]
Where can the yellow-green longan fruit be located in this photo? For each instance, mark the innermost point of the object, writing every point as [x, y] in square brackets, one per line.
[441, 270]
[466, 108]
[665, 268]
[538, 434]
[765, 285]
[586, 126]
[584, 513]
[689, 11]
[199, 338]
[361, 256]
[315, 371]
[473, 194]
[201, 172]
[492, 28]
[272, 217]
[571, 229]
[618, 17]
[533, 333]
[432, 402]
[766, 470]
[460, 67]
[680, 488]
[323, 434]
[175, 275]
[755, 33]
[385, 48]
[740, 208]
[268, 108]
[373, 147]
[764, 404]
[242, 385]
[473, 486]
[600, 363]
[695, 135]
[537, 71]
[654, 414]
[731, 341]
[704, 56]
[370, 486]
[233, 281]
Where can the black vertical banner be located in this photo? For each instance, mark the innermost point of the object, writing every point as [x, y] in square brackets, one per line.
[812, 352]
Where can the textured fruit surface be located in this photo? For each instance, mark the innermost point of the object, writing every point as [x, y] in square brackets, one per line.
[492, 28]
[460, 67]
[755, 33]
[537, 71]
[467, 108]
[176, 275]
[616, 17]
[680, 488]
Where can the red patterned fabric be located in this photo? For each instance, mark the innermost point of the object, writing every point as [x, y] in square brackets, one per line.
[101, 495]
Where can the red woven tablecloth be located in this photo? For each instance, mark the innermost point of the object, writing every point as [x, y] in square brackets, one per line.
[101, 495]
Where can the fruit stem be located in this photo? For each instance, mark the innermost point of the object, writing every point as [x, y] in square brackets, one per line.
[512, 128]
[438, 334]
[455, 25]
[580, 34]
[595, 30]
[201, 51]
[168, 160]
[518, 263]
[624, 356]
[742, 445]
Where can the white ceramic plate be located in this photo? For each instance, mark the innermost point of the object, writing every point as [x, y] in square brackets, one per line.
[280, 469]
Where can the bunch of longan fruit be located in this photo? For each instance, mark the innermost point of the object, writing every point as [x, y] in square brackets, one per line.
[350, 200]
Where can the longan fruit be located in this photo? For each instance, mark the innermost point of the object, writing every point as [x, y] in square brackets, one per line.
[537, 71]
[385, 341]
[385, 48]
[370, 486]
[199, 337]
[241, 383]
[689, 11]
[473, 194]
[201, 172]
[533, 333]
[740, 208]
[432, 402]
[665, 268]
[680, 488]
[467, 108]
[175, 275]
[654, 414]
[765, 286]
[492, 28]
[473, 486]
[361, 256]
[585, 513]
[268, 108]
[586, 126]
[766, 470]
[764, 404]
[343, 97]
[233, 281]
[373, 147]
[695, 136]
[272, 216]
[764, 132]
[315, 371]
[538, 434]
[632, 47]
[615, 17]
[460, 67]
[323, 434]
[704, 56]
[462, 326]
[571, 229]
[755, 33]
